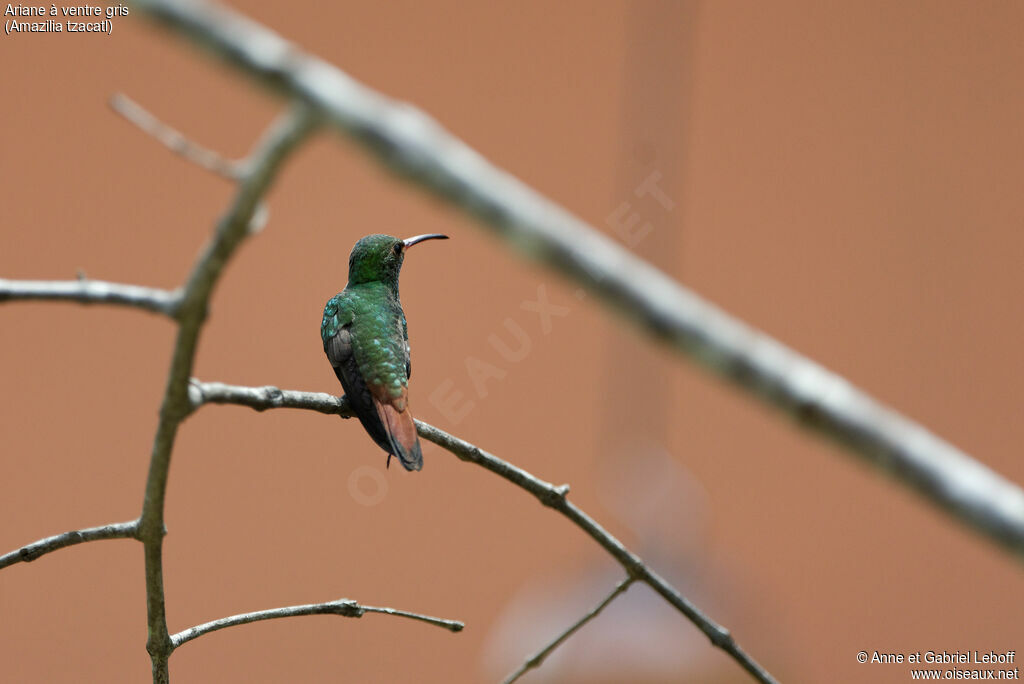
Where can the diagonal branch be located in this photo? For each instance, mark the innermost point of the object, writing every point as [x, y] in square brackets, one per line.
[86, 291]
[268, 397]
[343, 607]
[415, 146]
[555, 497]
[174, 140]
[30, 552]
[282, 138]
[538, 658]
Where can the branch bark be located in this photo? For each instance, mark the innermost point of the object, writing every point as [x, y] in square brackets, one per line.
[343, 607]
[85, 291]
[416, 147]
[537, 659]
[269, 397]
[266, 397]
[30, 552]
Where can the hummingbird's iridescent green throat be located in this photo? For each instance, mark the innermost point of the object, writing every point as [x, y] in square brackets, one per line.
[366, 340]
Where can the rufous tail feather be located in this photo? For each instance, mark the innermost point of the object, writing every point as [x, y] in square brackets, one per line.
[401, 429]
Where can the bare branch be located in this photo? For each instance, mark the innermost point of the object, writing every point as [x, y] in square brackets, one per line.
[415, 146]
[28, 553]
[343, 607]
[450, 625]
[538, 658]
[555, 497]
[174, 140]
[262, 398]
[86, 291]
[282, 138]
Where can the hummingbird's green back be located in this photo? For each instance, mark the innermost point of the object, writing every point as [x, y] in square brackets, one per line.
[376, 325]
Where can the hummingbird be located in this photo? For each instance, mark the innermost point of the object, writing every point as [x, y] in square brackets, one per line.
[366, 339]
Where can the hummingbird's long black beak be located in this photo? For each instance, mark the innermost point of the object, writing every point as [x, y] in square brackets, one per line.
[409, 242]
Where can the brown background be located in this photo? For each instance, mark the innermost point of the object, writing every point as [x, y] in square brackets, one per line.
[845, 176]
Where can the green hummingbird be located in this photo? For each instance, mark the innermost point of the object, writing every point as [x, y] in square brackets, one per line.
[366, 339]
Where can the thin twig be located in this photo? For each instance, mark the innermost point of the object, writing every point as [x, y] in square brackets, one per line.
[86, 291]
[30, 552]
[343, 607]
[174, 140]
[282, 138]
[450, 625]
[416, 147]
[180, 144]
[262, 398]
[538, 658]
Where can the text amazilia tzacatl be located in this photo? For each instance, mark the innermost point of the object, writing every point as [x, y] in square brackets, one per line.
[367, 342]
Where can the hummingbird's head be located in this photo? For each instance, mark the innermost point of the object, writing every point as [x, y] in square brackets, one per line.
[379, 257]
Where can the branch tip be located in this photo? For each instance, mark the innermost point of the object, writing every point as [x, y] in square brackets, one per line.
[173, 139]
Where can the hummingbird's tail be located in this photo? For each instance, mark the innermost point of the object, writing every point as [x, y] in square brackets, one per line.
[401, 430]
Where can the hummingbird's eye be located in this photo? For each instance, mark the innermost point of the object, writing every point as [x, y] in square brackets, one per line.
[397, 248]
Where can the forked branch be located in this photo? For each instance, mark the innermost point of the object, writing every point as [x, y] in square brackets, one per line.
[188, 306]
[270, 397]
[283, 137]
[416, 147]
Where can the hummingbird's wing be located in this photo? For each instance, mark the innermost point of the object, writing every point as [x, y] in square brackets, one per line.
[339, 353]
[408, 352]
[385, 418]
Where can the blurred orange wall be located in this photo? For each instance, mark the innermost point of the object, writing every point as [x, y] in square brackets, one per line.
[845, 176]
